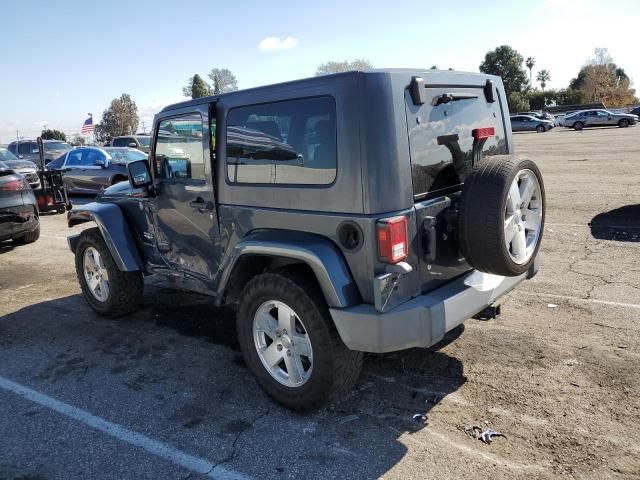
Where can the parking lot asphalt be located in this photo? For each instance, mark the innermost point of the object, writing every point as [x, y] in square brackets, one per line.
[164, 393]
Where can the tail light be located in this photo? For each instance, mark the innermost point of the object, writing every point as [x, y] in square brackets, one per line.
[11, 186]
[484, 133]
[45, 200]
[393, 244]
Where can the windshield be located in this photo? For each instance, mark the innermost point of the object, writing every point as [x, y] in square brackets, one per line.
[124, 156]
[144, 140]
[6, 155]
[48, 146]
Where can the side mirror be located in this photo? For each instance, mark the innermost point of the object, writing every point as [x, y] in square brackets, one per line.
[133, 145]
[139, 174]
[100, 163]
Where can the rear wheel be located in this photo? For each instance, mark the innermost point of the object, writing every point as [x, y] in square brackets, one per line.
[289, 342]
[624, 123]
[501, 216]
[105, 287]
[578, 126]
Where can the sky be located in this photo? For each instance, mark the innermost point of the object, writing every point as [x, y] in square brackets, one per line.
[64, 59]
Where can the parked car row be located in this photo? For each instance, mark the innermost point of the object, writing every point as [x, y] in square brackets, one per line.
[26, 168]
[543, 122]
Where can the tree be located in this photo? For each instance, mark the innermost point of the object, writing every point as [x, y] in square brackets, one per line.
[506, 62]
[434, 67]
[78, 141]
[222, 81]
[196, 87]
[518, 102]
[530, 63]
[601, 80]
[543, 77]
[49, 134]
[121, 118]
[344, 66]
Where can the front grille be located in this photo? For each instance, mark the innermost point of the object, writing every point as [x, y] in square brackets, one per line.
[32, 177]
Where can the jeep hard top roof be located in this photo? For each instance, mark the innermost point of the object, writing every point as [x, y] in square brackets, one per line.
[431, 78]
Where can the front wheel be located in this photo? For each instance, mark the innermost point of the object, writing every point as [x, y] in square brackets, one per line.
[578, 126]
[289, 342]
[624, 123]
[540, 129]
[109, 290]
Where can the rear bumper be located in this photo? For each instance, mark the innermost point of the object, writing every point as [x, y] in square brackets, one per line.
[424, 320]
[17, 221]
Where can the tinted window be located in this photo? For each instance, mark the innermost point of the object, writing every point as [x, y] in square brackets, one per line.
[119, 142]
[74, 158]
[25, 148]
[12, 148]
[179, 149]
[145, 141]
[48, 146]
[6, 155]
[291, 142]
[123, 156]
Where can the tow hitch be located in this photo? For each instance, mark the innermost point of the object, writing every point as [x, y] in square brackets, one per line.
[489, 313]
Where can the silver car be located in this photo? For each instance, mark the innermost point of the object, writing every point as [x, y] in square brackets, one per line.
[599, 118]
[524, 123]
[27, 169]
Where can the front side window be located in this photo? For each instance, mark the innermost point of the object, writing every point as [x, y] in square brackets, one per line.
[74, 158]
[178, 152]
[291, 142]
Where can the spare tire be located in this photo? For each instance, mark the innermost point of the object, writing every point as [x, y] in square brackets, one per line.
[501, 215]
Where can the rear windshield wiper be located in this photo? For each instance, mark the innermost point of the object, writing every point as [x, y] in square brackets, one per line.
[451, 97]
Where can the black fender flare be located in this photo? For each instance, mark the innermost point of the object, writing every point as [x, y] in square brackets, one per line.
[114, 229]
[319, 253]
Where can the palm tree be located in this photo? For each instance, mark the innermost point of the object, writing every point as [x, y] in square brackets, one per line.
[530, 62]
[543, 77]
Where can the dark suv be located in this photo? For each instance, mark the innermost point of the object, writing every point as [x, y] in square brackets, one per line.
[348, 213]
[28, 150]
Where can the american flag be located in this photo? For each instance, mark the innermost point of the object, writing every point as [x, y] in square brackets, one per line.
[87, 126]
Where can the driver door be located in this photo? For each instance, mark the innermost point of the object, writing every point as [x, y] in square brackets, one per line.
[187, 231]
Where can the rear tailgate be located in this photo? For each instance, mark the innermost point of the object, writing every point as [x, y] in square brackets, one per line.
[445, 140]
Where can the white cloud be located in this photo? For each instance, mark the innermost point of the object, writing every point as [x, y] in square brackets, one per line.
[271, 44]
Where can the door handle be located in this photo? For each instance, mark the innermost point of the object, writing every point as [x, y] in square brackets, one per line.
[201, 205]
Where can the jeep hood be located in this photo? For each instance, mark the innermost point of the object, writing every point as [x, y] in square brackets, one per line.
[121, 189]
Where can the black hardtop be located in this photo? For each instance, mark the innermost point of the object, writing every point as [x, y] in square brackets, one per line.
[396, 76]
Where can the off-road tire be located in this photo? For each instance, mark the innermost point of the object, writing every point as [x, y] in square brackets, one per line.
[125, 288]
[578, 126]
[28, 237]
[335, 368]
[481, 215]
[540, 129]
[624, 123]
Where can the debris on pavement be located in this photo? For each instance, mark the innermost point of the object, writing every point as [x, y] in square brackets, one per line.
[488, 434]
[552, 305]
[419, 417]
[483, 433]
[348, 418]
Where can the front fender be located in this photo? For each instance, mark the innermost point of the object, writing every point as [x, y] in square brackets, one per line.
[114, 229]
[319, 253]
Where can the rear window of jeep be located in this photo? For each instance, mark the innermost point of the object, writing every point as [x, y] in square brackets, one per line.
[291, 142]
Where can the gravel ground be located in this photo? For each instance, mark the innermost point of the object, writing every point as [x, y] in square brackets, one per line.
[557, 373]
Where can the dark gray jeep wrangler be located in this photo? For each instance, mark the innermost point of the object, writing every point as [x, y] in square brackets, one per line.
[349, 213]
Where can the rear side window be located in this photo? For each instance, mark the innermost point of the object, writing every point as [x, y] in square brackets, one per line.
[291, 142]
[120, 142]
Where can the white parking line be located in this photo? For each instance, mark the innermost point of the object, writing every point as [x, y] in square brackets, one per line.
[578, 299]
[162, 450]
